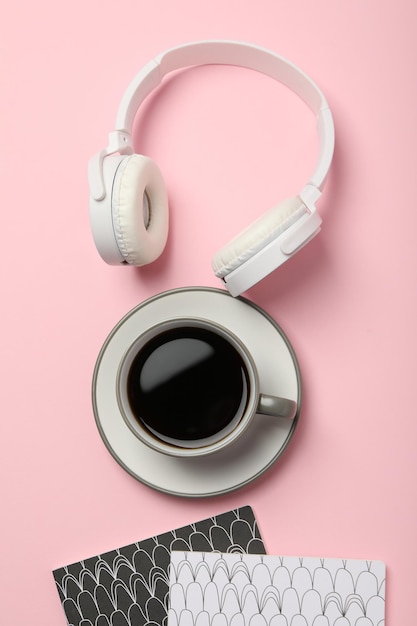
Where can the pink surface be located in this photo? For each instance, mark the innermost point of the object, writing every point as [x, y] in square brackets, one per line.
[230, 144]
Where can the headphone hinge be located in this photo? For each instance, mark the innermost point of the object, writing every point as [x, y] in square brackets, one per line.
[120, 141]
[309, 196]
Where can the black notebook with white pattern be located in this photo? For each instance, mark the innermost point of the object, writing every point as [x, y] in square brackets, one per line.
[129, 586]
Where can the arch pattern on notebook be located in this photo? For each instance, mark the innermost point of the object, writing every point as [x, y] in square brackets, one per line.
[258, 590]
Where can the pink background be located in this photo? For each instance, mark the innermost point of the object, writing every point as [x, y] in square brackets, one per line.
[231, 144]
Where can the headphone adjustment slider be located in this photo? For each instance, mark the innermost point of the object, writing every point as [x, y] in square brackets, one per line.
[307, 226]
[309, 196]
[120, 141]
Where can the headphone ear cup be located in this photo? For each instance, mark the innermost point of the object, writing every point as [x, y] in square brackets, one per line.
[257, 235]
[139, 209]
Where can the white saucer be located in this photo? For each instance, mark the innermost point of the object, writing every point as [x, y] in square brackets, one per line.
[262, 443]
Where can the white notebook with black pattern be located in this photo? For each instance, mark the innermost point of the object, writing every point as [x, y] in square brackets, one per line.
[216, 589]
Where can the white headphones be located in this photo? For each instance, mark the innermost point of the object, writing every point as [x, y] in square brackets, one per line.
[128, 200]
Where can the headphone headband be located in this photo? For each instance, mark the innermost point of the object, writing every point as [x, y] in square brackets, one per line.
[218, 53]
[242, 55]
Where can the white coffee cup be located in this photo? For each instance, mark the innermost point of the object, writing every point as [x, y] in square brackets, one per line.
[188, 387]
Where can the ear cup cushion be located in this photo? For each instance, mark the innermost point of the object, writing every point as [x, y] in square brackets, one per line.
[139, 243]
[257, 235]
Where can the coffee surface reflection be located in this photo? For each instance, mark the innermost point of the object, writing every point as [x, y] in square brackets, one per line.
[187, 384]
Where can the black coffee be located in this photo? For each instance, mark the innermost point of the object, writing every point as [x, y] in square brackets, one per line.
[187, 383]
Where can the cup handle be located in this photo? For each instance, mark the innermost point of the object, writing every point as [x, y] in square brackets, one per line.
[278, 407]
